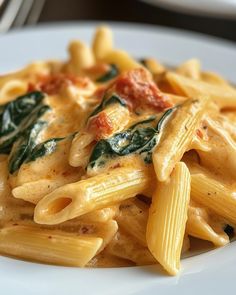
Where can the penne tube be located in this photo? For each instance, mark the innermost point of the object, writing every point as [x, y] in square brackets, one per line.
[167, 218]
[215, 79]
[215, 195]
[176, 99]
[81, 57]
[11, 209]
[47, 246]
[199, 227]
[34, 191]
[192, 88]
[76, 199]
[81, 149]
[190, 69]
[124, 246]
[122, 60]
[221, 155]
[102, 42]
[107, 232]
[132, 218]
[177, 136]
[101, 215]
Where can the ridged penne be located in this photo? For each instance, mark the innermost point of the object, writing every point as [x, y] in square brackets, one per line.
[81, 57]
[219, 157]
[48, 246]
[167, 218]
[190, 68]
[211, 193]
[132, 218]
[177, 136]
[34, 191]
[122, 59]
[198, 225]
[215, 79]
[102, 42]
[101, 215]
[105, 189]
[193, 88]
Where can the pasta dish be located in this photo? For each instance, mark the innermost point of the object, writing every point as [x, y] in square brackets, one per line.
[107, 160]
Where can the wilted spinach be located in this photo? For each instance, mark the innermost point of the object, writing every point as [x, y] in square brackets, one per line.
[43, 149]
[24, 146]
[139, 139]
[17, 116]
[112, 73]
[14, 112]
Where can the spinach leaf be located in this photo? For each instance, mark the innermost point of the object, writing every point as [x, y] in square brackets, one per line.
[14, 112]
[17, 116]
[43, 149]
[139, 138]
[24, 145]
[107, 101]
[112, 73]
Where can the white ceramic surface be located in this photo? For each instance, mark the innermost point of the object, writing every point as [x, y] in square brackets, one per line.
[208, 273]
[217, 8]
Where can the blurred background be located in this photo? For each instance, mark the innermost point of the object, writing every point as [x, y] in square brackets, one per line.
[213, 17]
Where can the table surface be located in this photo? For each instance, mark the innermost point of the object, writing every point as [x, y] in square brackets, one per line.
[135, 11]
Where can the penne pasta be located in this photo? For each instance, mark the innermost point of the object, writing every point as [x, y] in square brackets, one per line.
[81, 57]
[177, 136]
[48, 246]
[167, 218]
[102, 42]
[133, 219]
[215, 195]
[100, 191]
[198, 225]
[122, 59]
[110, 160]
[190, 69]
[192, 88]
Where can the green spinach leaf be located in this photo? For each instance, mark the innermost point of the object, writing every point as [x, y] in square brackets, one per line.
[43, 149]
[14, 112]
[24, 146]
[112, 73]
[17, 116]
[139, 138]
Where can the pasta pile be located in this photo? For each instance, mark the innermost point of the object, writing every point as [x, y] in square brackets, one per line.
[106, 160]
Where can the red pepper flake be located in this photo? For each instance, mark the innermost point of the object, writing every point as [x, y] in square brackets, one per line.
[100, 125]
[139, 90]
[51, 84]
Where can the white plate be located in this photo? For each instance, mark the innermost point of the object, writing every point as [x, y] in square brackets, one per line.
[217, 8]
[203, 274]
